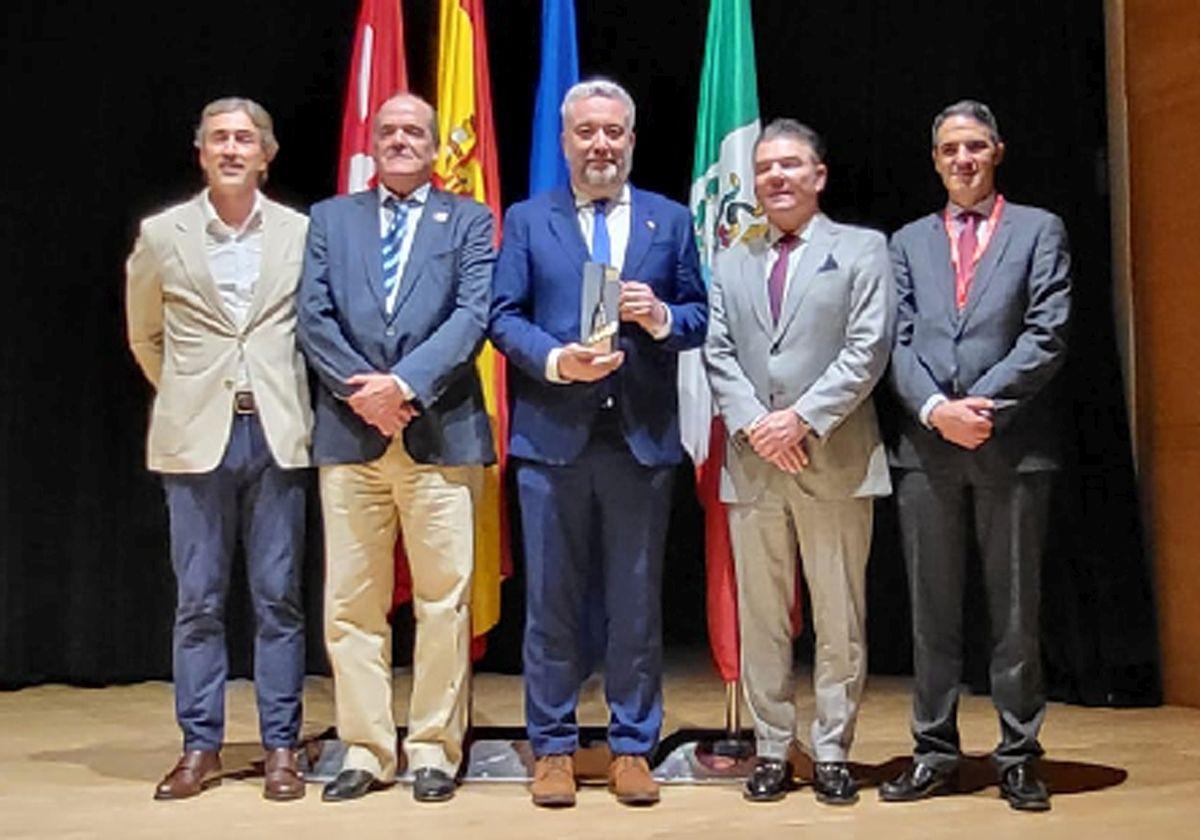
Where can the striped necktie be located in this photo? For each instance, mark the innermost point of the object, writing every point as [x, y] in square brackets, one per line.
[393, 240]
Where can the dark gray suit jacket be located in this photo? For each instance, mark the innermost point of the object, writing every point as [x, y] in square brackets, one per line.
[1006, 344]
[430, 339]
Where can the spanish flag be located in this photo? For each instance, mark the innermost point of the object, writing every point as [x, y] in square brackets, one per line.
[467, 165]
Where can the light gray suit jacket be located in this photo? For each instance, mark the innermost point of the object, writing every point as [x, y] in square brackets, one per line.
[188, 344]
[823, 358]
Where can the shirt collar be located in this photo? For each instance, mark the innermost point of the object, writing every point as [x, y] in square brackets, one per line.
[774, 234]
[216, 226]
[582, 201]
[418, 196]
[983, 208]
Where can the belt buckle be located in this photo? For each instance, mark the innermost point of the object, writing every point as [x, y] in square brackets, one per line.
[243, 402]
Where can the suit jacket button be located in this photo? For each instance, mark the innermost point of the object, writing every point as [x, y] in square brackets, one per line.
[390, 331]
[228, 383]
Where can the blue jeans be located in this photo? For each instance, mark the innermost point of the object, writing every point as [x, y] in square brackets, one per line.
[250, 497]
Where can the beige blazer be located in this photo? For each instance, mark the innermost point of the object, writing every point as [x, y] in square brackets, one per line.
[823, 358]
[188, 344]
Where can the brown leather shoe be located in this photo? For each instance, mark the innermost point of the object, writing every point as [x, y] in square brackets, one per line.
[630, 781]
[196, 771]
[282, 777]
[553, 783]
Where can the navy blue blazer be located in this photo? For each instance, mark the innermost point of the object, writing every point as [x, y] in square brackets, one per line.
[1006, 344]
[430, 340]
[536, 298]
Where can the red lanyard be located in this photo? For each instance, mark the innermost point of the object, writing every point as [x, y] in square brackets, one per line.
[980, 245]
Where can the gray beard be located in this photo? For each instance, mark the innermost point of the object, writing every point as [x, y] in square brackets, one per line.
[609, 175]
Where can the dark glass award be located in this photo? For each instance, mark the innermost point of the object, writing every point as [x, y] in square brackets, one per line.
[599, 314]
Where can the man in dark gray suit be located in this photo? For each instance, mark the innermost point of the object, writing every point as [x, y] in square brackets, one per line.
[984, 298]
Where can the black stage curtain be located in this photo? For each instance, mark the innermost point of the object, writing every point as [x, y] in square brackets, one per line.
[100, 105]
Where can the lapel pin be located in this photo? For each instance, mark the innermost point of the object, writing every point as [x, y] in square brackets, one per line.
[650, 224]
[441, 216]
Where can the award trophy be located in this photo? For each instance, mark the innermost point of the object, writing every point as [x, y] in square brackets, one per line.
[599, 313]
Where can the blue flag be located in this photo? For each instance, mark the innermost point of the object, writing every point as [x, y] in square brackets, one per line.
[559, 70]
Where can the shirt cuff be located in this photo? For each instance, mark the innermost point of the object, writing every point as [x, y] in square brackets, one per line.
[552, 367]
[665, 330]
[405, 391]
[811, 431]
[930, 404]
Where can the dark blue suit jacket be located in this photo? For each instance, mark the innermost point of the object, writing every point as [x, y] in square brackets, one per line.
[1006, 344]
[430, 340]
[536, 299]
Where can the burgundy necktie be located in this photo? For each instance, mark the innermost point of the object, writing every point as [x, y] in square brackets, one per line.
[777, 282]
[967, 242]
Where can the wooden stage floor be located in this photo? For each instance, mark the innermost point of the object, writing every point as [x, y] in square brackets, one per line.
[82, 763]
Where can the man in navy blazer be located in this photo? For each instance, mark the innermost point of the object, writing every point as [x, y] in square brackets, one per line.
[595, 434]
[984, 299]
[392, 309]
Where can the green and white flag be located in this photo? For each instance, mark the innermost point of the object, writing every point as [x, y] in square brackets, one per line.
[722, 201]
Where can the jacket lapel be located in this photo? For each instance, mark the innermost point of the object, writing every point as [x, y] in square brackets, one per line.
[987, 266]
[752, 273]
[820, 243]
[276, 229]
[564, 224]
[364, 230]
[431, 237]
[642, 229]
[189, 242]
[941, 267]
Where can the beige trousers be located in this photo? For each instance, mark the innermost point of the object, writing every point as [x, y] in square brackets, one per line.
[834, 538]
[363, 505]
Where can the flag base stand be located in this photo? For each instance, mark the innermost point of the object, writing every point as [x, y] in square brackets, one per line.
[503, 754]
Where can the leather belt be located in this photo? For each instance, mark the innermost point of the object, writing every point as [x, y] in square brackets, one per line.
[243, 402]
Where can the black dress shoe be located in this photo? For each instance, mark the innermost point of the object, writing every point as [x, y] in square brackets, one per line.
[920, 781]
[349, 784]
[833, 783]
[432, 785]
[1023, 789]
[769, 781]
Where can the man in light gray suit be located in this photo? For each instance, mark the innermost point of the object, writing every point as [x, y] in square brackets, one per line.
[984, 299]
[799, 335]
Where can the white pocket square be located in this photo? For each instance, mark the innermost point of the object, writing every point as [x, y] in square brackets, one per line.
[441, 216]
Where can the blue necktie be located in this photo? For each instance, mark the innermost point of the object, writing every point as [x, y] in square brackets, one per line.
[601, 247]
[392, 241]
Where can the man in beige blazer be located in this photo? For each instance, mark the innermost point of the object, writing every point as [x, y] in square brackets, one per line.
[799, 334]
[211, 287]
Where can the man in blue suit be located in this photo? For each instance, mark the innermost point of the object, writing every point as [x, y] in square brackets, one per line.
[984, 290]
[595, 434]
[393, 305]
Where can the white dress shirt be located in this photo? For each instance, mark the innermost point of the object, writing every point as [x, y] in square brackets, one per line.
[234, 258]
[774, 234]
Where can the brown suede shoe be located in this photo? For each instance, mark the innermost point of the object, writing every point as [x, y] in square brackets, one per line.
[196, 770]
[630, 781]
[554, 781]
[282, 777]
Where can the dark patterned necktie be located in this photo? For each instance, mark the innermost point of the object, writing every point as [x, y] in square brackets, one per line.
[777, 281]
